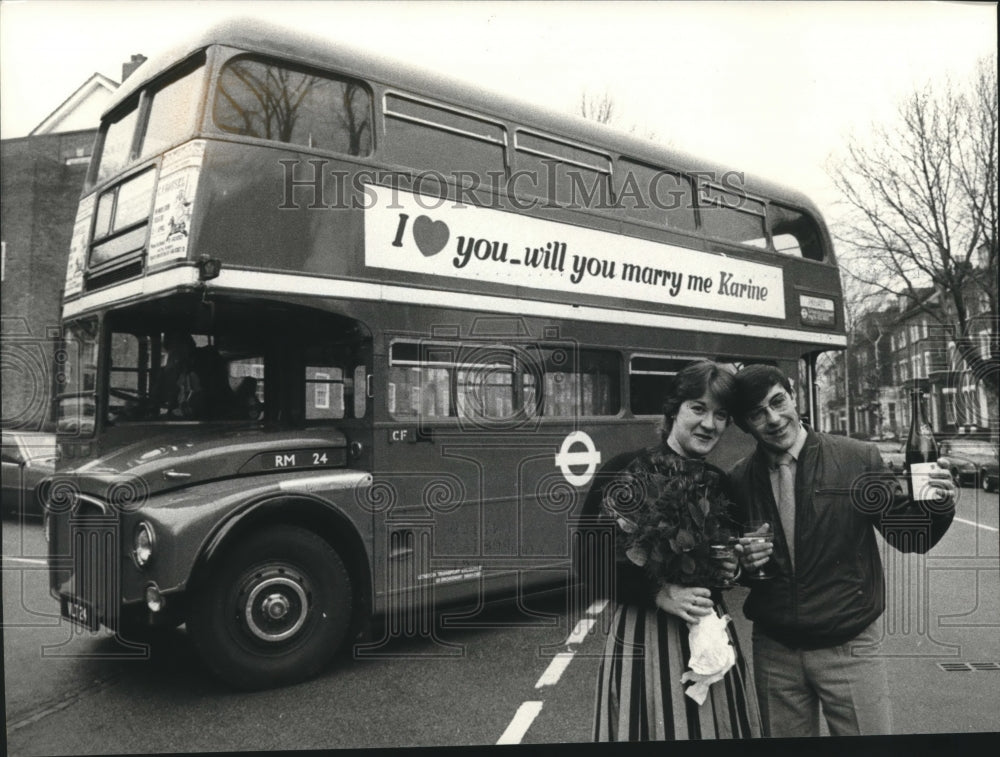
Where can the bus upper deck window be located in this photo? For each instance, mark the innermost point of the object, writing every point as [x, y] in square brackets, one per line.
[431, 137]
[257, 98]
[732, 216]
[657, 196]
[117, 147]
[794, 233]
[561, 173]
[173, 109]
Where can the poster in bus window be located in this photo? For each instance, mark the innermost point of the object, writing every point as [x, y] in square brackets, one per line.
[78, 246]
[427, 235]
[175, 190]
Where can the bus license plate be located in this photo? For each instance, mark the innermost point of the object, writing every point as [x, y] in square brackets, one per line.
[79, 612]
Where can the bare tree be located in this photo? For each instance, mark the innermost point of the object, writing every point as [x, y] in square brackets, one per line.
[597, 108]
[602, 108]
[922, 199]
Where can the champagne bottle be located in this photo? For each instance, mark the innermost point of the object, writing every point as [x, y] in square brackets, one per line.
[921, 452]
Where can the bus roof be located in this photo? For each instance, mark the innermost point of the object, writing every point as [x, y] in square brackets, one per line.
[253, 35]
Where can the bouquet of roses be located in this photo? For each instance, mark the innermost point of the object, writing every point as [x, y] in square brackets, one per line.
[671, 512]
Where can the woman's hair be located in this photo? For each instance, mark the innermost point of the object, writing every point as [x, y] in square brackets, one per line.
[693, 381]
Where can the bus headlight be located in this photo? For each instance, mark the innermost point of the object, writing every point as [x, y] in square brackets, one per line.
[143, 544]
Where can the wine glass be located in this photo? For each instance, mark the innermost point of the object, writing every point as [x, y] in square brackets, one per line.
[758, 531]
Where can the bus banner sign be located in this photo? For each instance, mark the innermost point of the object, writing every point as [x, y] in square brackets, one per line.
[427, 235]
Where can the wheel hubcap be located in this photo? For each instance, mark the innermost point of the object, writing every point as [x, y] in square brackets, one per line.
[275, 605]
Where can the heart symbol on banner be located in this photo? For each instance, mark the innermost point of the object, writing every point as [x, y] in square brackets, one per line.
[431, 236]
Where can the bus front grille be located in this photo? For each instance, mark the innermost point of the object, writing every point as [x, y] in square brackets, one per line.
[94, 541]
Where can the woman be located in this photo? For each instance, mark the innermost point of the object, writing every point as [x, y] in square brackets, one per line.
[640, 695]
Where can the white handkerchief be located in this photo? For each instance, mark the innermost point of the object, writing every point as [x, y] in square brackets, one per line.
[711, 655]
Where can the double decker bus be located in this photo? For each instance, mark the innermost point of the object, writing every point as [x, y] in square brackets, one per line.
[342, 339]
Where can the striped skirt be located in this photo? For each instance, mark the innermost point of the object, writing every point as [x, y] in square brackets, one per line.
[639, 693]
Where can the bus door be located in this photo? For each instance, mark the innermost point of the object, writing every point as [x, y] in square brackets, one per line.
[449, 461]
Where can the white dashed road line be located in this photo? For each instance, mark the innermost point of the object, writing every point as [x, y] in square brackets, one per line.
[24, 560]
[555, 669]
[977, 525]
[528, 711]
[522, 721]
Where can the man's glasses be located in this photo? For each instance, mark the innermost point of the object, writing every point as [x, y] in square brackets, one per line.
[778, 404]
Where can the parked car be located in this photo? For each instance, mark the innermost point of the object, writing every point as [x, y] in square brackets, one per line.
[990, 480]
[892, 454]
[26, 457]
[971, 461]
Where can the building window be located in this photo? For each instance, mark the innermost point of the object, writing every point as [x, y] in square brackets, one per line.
[954, 359]
[950, 409]
[984, 344]
[969, 402]
[325, 398]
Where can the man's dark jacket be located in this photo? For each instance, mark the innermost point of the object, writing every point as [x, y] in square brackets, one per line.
[837, 586]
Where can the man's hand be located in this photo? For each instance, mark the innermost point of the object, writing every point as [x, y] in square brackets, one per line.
[945, 490]
[754, 553]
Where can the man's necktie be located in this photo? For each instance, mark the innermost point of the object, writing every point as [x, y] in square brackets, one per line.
[786, 500]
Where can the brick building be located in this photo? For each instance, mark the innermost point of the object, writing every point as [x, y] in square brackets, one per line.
[41, 178]
[899, 347]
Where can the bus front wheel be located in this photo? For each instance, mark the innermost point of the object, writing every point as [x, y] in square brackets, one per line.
[274, 611]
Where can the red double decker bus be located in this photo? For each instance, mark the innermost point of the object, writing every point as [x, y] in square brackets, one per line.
[342, 339]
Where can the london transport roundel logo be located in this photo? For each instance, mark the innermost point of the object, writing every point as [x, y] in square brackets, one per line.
[570, 456]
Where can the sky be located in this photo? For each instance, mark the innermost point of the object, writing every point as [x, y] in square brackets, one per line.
[770, 88]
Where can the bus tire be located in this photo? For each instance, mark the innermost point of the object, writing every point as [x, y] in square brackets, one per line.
[274, 611]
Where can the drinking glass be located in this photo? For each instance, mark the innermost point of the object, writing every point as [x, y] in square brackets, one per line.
[759, 531]
[720, 552]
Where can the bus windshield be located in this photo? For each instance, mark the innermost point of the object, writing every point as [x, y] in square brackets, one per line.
[76, 378]
[230, 366]
[159, 373]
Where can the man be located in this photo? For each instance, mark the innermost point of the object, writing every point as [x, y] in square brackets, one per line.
[822, 604]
